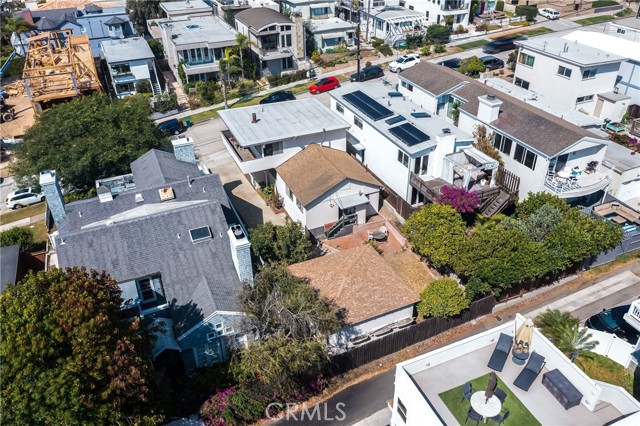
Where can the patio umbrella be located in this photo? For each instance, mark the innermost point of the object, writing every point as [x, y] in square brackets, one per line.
[525, 334]
[493, 383]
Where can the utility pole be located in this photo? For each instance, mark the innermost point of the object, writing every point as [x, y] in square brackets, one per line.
[357, 4]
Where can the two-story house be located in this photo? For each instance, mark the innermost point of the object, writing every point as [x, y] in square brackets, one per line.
[169, 236]
[544, 151]
[576, 75]
[128, 62]
[184, 8]
[230, 8]
[196, 44]
[277, 42]
[328, 30]
[260, 138]
[436, 12]
[391, 23]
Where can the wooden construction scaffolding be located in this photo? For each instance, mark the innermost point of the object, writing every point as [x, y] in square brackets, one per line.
[58, 65]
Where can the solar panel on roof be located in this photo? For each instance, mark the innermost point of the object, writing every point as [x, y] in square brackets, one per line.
[367, 105]
[409, 134]
[420, 114]
[394, 94]
[394, 120]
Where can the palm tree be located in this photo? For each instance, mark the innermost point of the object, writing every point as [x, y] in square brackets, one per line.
[243, 43]
[552, 322]
[14, 25]
[574, 341]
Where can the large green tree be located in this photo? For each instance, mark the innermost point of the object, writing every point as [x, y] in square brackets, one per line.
[141, 10]
[68, 357]
[24, 237]
[86, 139]
[286, 243]
[443, 298]
[437, 232]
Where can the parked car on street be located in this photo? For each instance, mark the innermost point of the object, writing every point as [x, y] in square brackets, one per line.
[453, 63]
[404, 62]
[549, 13]
[399, 44]
[24, 197]
[171, 127]
[502, 44]
[323, 85]
[278, 97]
[612, 321]
[368, 73]
[492, 63]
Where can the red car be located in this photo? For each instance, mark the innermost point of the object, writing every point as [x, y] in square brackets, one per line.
[323, 85]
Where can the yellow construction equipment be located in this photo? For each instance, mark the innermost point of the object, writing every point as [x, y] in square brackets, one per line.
[58, 65]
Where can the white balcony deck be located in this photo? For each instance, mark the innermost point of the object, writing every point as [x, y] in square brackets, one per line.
[581, 185]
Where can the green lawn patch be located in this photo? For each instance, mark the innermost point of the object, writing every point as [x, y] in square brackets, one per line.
[604, 3]
[472, 44]
[595, 20]
[22, 213]
[204, 115]
[602, 368]
[519, 413]
[538, 31]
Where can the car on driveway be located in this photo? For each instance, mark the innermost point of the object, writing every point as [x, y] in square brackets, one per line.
[278, 97]
[502, 44]
[453, 63]
[612, 321]
[368, 73]
[323, 85]
[171, 127]
[492, 63]
[549, 13]
[24, 197]
[404, 62]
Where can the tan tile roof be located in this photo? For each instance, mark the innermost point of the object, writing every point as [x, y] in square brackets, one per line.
[316, 169]
[358, 280]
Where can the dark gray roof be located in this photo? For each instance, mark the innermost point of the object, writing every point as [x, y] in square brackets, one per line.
[259, 17]
[538, 129]
[45, 24]
[9, 257]
[92, 8]
[156, 168]
[115, 20]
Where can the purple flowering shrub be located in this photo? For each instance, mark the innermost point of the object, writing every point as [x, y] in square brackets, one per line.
[460, 199]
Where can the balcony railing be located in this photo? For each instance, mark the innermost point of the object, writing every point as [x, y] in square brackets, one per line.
[577, 186]
[633, 316]
[243, 153]
[454, 6]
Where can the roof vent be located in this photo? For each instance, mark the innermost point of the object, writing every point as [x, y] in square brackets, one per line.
[104, 194]
[254, 117]
[166, 193]
[110, 222]
[491, 97]
[139, 198]
[446, 130]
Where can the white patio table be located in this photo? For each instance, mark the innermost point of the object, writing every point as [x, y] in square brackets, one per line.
[485, 407]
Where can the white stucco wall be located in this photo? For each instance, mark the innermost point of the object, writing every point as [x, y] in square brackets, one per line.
[612, 110]
[630, 82]
[305, 8]
[435, 12]
[418, 96]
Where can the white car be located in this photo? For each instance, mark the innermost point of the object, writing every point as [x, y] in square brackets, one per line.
[549, 13]
[24, 197]
[404, 62]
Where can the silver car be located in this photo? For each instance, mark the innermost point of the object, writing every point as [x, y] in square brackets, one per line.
[24, 197]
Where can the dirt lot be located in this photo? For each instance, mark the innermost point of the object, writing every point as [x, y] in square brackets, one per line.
[25, 117]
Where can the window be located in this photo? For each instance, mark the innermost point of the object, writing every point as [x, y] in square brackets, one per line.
[285, 40]
[289, 192]
[339, 108]
[287, 63]
[299, 205]
[527, 60]
[420, 165]
[200, 234]
[270, 149]
[145, 289]
[564, 72]
[586, 74]
[407, 86]
[502, 144]
[522, 83]
[121, 69]
[586, 98]
[620, 31]
[357, 121]
[285, 28]
[402, 411]
[403, 158]
[526, 157]
[317, 12]
[212, 336]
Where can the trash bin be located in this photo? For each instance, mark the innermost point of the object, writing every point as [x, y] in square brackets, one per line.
[187, 122]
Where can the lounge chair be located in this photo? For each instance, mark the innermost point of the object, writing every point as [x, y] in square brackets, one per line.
[501, 352]
[529, 373]
[467, 391]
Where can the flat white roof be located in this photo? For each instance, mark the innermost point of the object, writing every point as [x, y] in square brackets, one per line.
[126, 49]
[330, 25]
[394, 13]
[576, 53]
[615, 45]
[200, 29]
[304, 2]
[172, 6]
[281, 120]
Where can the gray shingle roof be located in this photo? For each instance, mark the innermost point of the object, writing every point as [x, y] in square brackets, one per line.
[538, 129]
[156, 168]
[9, 257]
[115, 20]
[259, 17]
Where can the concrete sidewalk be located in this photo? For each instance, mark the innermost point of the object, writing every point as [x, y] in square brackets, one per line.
[22, 222]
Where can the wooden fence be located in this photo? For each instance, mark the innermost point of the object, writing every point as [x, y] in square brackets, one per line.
[407, 337]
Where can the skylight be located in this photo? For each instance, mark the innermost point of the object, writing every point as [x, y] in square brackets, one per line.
[200, 234]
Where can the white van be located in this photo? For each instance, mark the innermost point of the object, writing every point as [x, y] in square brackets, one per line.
[549, 13]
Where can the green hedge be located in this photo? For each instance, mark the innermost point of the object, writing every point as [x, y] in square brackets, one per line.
[279, 80]
[529, 12]
[385, 50]
[500, 6]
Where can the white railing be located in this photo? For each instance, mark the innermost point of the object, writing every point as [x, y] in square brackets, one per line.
[618, 397]
[567, 188]
[633, 316]
[612, 347]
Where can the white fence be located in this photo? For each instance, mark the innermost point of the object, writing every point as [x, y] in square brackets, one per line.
[612, 347]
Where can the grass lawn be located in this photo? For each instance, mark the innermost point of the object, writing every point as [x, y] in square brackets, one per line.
[595, 20]
[602, 368]
[22, 213]
[538, 31]
[472, 44]
[519, 413]
[604, 3]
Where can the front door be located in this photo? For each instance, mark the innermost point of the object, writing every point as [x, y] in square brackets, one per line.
[562, 162]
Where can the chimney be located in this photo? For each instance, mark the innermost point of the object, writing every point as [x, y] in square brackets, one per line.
[184, 150]
[27, 16]
[254, 117]
[104, 194]
[51, 189]
[488, 108]
[241, 253]
[298, 36]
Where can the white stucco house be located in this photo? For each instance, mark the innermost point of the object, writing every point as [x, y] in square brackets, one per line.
[130, 61]
[175, 9]
[436, 12]
[577, 75]
[391, 23]
[374, 299]
[321, 185]
[259, 138]
[623, 166]
[545, 152]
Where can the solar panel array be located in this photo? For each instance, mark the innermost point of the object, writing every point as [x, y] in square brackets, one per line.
[409, 134]
[394, 120]
[367, 105]
[420, 114]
